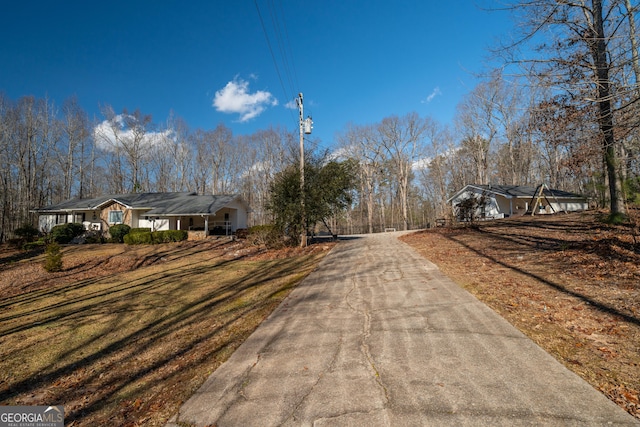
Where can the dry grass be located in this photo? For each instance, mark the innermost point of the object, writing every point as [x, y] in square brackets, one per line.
[569, 282]
[125, 334]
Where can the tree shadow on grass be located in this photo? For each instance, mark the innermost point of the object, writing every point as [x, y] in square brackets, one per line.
[603, 307]
[53, 291]
[19, 256]
[181, 329]
[593, 243]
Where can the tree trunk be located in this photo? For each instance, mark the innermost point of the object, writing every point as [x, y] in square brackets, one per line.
[605, 119]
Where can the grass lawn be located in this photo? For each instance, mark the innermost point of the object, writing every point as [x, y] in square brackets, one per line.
[128, 347]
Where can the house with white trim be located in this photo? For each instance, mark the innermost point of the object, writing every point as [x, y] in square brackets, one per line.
[157, 211]
[501, 201]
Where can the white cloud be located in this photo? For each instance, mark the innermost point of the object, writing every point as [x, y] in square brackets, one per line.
[111, 134]
[236, 98]
[436, 92]
[292, 105]
[421, 164]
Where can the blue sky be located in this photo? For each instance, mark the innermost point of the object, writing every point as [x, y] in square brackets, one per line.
[210, 62]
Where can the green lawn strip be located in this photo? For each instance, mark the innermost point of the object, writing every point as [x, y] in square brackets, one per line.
[136, 344]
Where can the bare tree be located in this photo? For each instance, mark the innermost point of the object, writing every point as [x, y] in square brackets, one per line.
[361, 144]
[403, 141]
[182, 157]
[478, 120]
[126, 136]
[580, 53]
[29, 134]
[264, 155]
[75, 128]
[215, 159]
[436, 177]
[219, 146]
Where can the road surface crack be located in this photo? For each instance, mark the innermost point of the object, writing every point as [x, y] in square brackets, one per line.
[366, 334]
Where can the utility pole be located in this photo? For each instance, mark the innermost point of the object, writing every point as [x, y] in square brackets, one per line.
[305, 128]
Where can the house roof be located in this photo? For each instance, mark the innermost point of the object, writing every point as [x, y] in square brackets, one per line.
[518, 191]
[159, 204]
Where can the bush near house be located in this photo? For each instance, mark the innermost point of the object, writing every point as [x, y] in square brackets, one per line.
[267, 235]
[25, 235]
[168, 236]
[27, 232]
[64, 233]
[140, 230]
[118, 232]
[156, 237]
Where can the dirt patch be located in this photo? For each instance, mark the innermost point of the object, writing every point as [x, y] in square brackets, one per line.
[568, 281]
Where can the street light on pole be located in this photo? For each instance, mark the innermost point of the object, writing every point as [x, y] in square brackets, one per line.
[305, 128]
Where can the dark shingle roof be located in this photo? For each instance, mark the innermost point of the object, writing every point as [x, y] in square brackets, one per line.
[193, 205]
[160, 204]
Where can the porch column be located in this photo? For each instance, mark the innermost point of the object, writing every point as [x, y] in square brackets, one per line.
[206, 225]
[178, 223]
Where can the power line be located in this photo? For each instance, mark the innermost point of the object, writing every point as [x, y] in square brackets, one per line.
[266, 36]
[281, 44]
[283, 52]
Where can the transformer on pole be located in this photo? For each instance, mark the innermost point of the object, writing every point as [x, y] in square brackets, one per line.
[305, 128]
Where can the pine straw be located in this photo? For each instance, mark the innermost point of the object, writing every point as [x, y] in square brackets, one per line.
[568, 281]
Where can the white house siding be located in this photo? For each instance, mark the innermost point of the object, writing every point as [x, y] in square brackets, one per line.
[154, 224]
[144, 223]
[569, 206]
[46, 222]
[167, 217]
[239, 211]
[161, 224]
[135, 219]
[493, 206]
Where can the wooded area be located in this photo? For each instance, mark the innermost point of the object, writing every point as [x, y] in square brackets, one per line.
[561, 109]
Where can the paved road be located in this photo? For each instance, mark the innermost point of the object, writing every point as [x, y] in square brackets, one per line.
[378, 336]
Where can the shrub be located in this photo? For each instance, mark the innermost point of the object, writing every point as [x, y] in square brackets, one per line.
[168, 236]
[53, 259]
[242, 233]
[27, 232]
[118, 232]
[147, 238]
[76, 228]
[64, 233]
[265, 235]
[93, 237]
[140, 230]
[38, 244]
[179, 235]
[140, 238]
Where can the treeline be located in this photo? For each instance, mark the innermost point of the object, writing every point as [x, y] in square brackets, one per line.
[562, 108]
[504, 133]
[564, 111]
[49, 154]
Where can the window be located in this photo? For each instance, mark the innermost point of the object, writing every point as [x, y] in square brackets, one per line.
[115, 217]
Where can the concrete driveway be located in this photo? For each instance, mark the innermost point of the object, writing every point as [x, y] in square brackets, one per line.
[378, 336]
